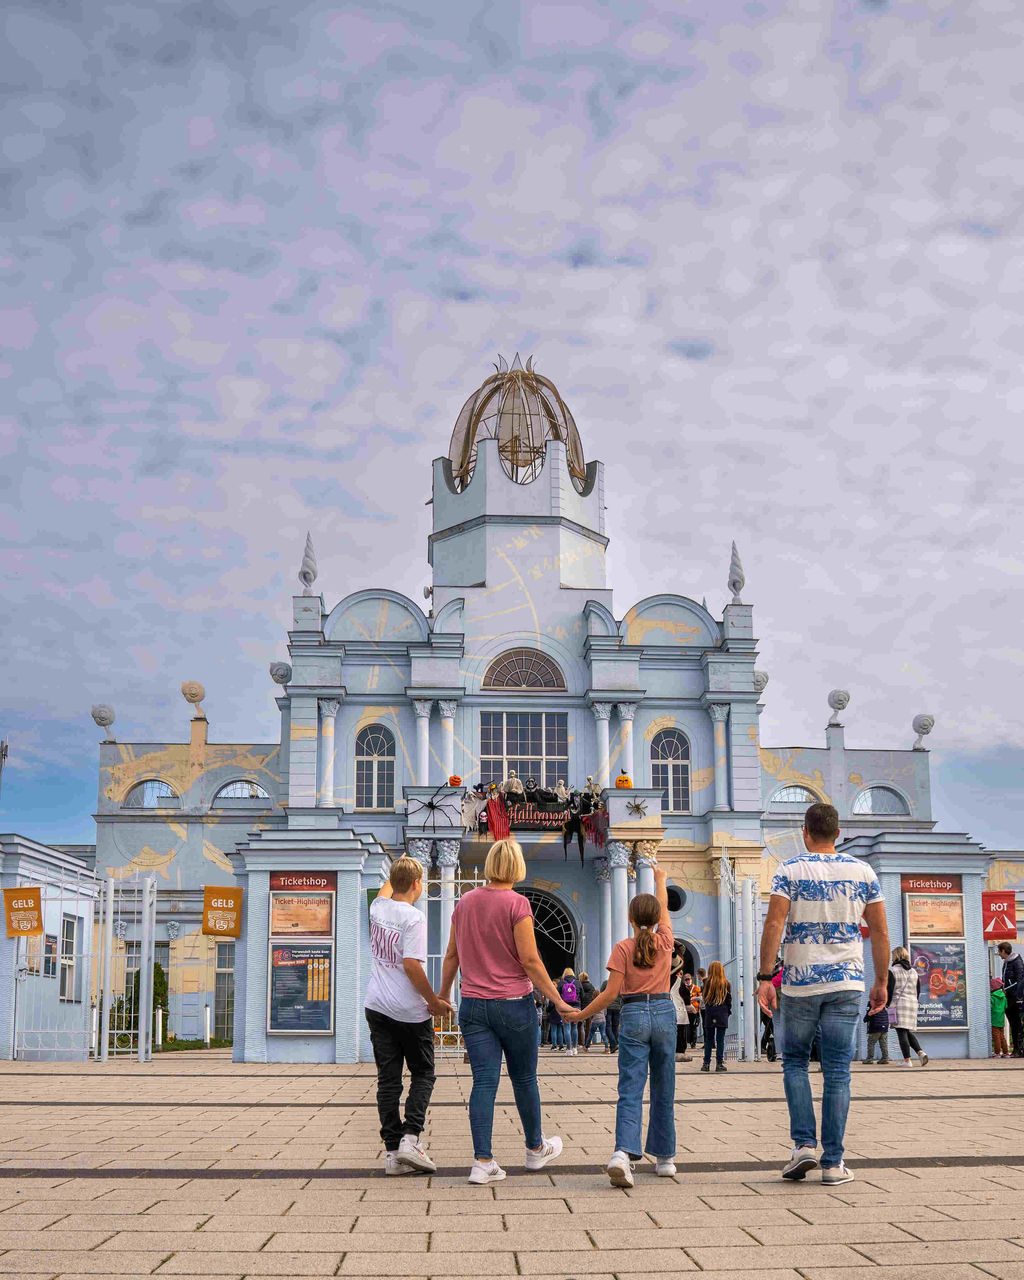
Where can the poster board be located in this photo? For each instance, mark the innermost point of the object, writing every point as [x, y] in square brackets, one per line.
[934, 915]
[23, 911]
[942, 967]
[300, 988]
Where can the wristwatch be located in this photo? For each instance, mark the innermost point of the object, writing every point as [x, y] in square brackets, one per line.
[765, 977]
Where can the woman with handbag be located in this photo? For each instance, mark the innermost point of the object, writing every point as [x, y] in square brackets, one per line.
[904, 988]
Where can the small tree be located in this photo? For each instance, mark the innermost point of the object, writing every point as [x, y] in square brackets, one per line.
[159, 993]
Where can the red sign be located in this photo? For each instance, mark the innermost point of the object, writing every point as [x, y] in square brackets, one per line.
[999, 917]
[323, 880]
[931, 884]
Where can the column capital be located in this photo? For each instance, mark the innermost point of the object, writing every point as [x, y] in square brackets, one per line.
[329, 707]
[626, 710]
[419, 848]
[719, 711]
[618, 854]
[601, 710]
[602, 873]
[447, 708]
[423, 707]
[647, 852]
[448, 852]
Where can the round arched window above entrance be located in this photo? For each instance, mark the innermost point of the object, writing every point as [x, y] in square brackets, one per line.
[523, 669]
[554, 930]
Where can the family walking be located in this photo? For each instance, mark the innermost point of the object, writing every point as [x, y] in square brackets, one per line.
[818, 902]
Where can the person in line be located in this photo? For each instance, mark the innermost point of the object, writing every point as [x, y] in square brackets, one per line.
[819, 900]
[400, 1008]
[538, 1004]
[716, 1002]
[903, 996]
[997, 1001]
[691, 994]
[559, 1031]
[612, 1015]
[878, 1036]
[587, 993]
[492, 942]
[696, 1025]
[638, 970]
[1013, 985]
[679, 1004]
[596, 1030]
[569, 990]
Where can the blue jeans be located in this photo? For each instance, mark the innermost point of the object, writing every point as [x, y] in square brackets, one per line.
[835, 1016]
[647, 1042]
[489, 1029]
[714, 1038]
[596, 1032]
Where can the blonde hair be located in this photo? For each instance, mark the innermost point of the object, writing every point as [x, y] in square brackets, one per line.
[716, 984]
[505, 862]
[900, 953]
[404, 874]
[568, 973]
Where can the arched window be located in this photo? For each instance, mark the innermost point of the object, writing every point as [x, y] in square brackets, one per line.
[523, 669]
[242, 791]
[880, 802]
[792, 798]
[375, 768]
[151, 794]
[670, 770]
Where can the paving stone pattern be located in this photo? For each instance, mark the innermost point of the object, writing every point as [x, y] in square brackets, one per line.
[192, 1166]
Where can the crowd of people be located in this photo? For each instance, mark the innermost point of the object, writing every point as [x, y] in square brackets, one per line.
[649, 1012]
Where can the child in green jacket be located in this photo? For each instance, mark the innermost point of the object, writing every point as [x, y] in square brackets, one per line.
[1000, 1049]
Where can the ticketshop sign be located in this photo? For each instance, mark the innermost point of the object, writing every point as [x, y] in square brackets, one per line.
[931, 884]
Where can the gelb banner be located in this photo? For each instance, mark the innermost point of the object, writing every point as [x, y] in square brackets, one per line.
[222, 911]
[23, 911]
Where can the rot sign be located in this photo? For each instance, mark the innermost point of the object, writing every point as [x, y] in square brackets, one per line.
[999, 917]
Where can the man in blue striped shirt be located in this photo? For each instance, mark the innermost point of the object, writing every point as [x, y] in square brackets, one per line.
[818, 901]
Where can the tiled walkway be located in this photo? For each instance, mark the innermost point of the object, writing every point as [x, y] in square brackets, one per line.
[195, 1167]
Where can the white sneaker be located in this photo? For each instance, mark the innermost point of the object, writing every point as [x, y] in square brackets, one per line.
[665, 1168]
[483, 1173]
[800, 1163]
[620, 1170]
[550, 1149]
[392, 1167]
[836, 1175]
[411, 1154]
[924, 1059]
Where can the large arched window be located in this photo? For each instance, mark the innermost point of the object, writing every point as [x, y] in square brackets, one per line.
[523, 669]
[242, 792]
[880, 802]
[670, 770]
[152, 794]
[792, 799]
[375, 768]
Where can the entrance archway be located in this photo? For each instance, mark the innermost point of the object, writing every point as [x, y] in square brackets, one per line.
[554, 929]
[690, 960]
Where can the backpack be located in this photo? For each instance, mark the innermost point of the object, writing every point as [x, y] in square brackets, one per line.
[569, 993]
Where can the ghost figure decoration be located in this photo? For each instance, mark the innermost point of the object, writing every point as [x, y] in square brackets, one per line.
[838, 700]
[280, 672]
[104, 717]
[737, 581]
[922, 726]
[308, 569]
[194, 693]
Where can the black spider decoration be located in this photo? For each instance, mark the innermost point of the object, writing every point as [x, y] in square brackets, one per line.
[428, 812]
[638, 808]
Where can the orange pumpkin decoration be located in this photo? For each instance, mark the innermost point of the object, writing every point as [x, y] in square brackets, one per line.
[455, 780]
[624, 782]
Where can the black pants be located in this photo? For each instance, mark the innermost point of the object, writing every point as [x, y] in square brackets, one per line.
[611, 1022]
[398, 1044]
[682, 1037]
[1013, 1018]
[907, 1041]
[767, 1036]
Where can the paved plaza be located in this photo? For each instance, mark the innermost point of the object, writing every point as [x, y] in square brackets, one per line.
[192, 1166]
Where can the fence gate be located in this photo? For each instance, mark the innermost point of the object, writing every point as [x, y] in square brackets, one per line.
[447, 1036]
[54, 975]
[125, 981]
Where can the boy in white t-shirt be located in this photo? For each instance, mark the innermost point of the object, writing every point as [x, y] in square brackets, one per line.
[400, 1008]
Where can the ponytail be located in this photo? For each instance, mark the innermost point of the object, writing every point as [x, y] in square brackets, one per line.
[645, 949]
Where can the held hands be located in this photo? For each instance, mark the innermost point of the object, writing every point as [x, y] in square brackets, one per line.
[569, 1013]
[767, 998]
[439, 1007]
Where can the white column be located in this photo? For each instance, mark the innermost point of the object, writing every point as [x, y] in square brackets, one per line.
[447, 860]
[602, 712]
[604, 882]
[627, 710]
[646, 861]
[328, 711]
[618, 862]
[631, 889]
[447, 710]
[422, 850]
[422, 709]
[719, 714]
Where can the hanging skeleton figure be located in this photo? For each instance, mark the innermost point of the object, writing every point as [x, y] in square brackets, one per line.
[581, 805]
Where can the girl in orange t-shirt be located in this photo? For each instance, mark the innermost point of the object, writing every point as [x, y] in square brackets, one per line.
[638, 970]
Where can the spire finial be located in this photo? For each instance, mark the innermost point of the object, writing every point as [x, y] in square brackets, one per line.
[736, 579]
[307, 570]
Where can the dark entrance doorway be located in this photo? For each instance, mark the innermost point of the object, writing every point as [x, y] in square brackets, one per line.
[689, 959]
[554, 929]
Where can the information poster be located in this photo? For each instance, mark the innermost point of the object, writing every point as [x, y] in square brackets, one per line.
[942, 967]
[935, 915]
[302, 904]
[300, 997]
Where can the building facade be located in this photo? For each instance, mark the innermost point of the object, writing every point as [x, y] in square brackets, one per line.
[521, 665]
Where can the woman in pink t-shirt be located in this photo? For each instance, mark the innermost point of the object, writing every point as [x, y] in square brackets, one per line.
[493, 944]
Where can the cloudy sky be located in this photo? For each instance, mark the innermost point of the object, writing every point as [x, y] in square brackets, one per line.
[257, 255]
